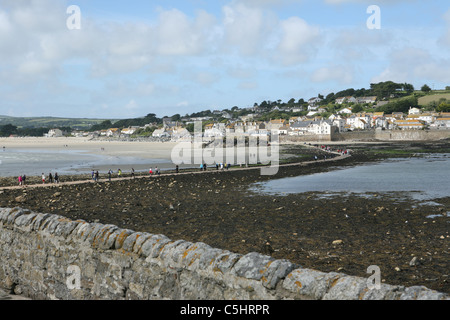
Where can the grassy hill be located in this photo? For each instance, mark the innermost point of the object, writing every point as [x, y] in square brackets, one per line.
[49, 122]
[423, 101]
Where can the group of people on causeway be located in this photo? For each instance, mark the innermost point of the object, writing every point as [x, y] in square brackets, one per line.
[22, 180]
[95, 175]
[50, 178]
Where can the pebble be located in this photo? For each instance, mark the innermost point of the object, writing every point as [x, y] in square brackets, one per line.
[21, 199]
[414, 262]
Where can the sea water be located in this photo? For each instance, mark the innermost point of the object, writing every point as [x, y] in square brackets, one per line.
[15, 162]
[423, 177]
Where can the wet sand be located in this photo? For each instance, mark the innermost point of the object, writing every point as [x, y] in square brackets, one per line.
[150, 150]
[335, 233]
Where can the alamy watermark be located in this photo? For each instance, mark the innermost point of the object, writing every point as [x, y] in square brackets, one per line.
[374, 21]
[73, 22]
[73, 281]
[231, 149]
[374, 281]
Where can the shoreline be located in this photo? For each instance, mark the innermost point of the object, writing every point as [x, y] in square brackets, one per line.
[218, 209]
[148, 150]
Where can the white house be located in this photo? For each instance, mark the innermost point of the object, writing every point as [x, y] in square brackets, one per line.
[372, 99]
[54, 133]
[443, 122]
[359, 121]
[180, 133]
[113, 132]
[347, 110]
[300, 127]
[312, 113]
[314, 101]
[276, 124]
[409, 124]
[129, 131]
[160, 133]
[214, 132]
[429, 118]
[414, 111]
[380, 122]
[283, 130]
[226, 115]
[346, 99]
[340, 100]
[339, 123]
[239, 128]
[322, 127]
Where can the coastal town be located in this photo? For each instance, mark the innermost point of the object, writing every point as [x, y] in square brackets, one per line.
[308, 120]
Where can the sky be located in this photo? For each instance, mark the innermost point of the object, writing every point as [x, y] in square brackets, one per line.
[120, 59]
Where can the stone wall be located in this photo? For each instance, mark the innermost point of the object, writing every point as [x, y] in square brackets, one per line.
[412, 135]
[373, 135]
[46, 256]
[306, 138]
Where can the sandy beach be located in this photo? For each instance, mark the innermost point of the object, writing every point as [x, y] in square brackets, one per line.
[70, 155]
[33, 156]
[146, 150]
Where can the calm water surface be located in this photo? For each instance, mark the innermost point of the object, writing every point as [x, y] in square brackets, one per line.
[422, 178]
[15, 162]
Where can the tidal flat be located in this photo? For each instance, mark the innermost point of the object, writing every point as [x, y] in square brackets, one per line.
[346, 233]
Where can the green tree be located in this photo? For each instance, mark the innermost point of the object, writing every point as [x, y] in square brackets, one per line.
[384, 89]
[329, 98]
[102, 126]
[7, 130]
[443, 107]
[409, 88]
[399, 105]
[425, 88]
[357, 108]
[190, 127]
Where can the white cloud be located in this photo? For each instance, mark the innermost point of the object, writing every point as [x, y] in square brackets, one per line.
[297, 42]
[446, 37]
[131, 105]
[248, 85]
[39, 28]
[360, 45]
[33, 67]
[266, 3]
[253, 31]
[178, 35]
[205, 78]
[177, 55]
[145, 89]
[182, 104]
[337, 73]
[246, 28]
[415, 64]
[369, 2]
[241, 71]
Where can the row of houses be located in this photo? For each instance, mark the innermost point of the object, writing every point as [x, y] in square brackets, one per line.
[359, 100]
[335, 123]
[342, 121]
